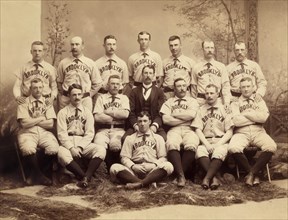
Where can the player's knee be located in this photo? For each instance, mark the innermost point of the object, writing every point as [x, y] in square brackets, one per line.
[64, 156]
[52, 150]
[270, 147]
[115, 169]
[99, 152]
[172, 146]
[191, 147]
[168, 167]
[115, 145]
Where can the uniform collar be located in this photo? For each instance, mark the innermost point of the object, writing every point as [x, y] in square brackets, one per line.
[140, 134]
[32, 99]
[40, 63]
[252, 97]
[114, 57]
[72, 108]
[79, 58]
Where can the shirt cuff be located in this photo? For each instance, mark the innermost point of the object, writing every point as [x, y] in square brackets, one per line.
[156, 125]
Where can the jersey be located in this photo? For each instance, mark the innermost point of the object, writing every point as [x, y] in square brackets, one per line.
[213, 121]
[45, 71]
[117, 67]
[105, 102]
[72, 121]
[174, 68]
[80, 70]
[250, 69]
[138, 60]
[212, 72]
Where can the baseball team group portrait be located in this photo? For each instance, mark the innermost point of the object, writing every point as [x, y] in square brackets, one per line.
[156, 112]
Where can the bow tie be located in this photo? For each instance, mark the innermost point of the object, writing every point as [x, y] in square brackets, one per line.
[76, 60]
[77, 111]
[113, 98]
[110, 63]
[146, 89]
[249, 99]
[37, 65]
[208, 65]
[144, 136]
[36, 103]
[180, 100]
[145, 54]
[212, 109]
[175, 61]
[242, 65]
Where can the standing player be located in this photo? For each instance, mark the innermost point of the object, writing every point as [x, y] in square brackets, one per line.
[242, 67]
[176, 66]
[207, 72]
[110, 112]
[75, 128]
[110, 64]
[144, 57]
[214, 128]
[80, 70]
[36, 119]
[178, 113]
[146, 97]
[249, 115]
[36, 68]
[143, 157]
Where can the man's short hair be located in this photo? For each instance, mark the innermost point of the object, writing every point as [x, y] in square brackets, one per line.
[174, 37]
[204, 41]
[248, 79]
[177, 80]
[239, 42]
[213, 86]
[150, 67]
[113, 77]
[37, 43]
[74, 86]
[35, 80]
[145, 32]
[109, 37]
[144, 113]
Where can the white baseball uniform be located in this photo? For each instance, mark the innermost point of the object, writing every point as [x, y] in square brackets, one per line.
[30, 138]
[112, 66]
[212, 72]
[183, 133]
[137, 151]
[45, 71]
[250, 132]
[138, 60]
[174, 68]
[82, 71]
[110, 134]
[75, 128]
[214, 122]
[247, 68]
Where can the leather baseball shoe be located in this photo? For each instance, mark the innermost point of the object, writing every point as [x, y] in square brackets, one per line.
[256, 181]
[249, 179]
[181, 181]
[205, 184]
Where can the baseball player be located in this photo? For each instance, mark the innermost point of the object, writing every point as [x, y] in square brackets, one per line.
[110, 112]
[210, 71]
[144, 57]
[146, 97]
[143, 157]
[178, 113]
[242, 67]
[214, 128]
[176, 66]
[249, 114]
[36, 118]
[110, 64]
[80, 70]
[75, 128]
[36, 68]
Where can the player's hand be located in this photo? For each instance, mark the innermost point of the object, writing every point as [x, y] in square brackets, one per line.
[153, 128]
[49, 101]
[139, 169]
[149, 166]
[209, 148]
[20, 100]
[76, 152]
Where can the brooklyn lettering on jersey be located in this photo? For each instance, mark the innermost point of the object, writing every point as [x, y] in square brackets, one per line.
[113, 67]
[144, 143]
[240, 71]
[76, 67]
[214, 115]
[144, 61]
[36, 72]
[172, 66]
[181, 106]
[75, 118]
[112, 104]
[248, 106]
[212, 71]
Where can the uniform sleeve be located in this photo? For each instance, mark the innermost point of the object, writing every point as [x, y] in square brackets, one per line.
[17, 84]
[60, 74]
[197, 122]
[125, 103]
[166, 108]
[89, 130]
[50, 113]
[62, 130]
[99, 107]
[228, 123]
[126, 152]
[125, 78]
[225, 85]
[53, 84]
[194, 79]
[130, 66]
[161, 151]
[22, 111]
[193, 105]
[261, 81]
[159, 67]
[96, 79]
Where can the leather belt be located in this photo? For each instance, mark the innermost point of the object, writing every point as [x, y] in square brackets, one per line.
[72, 134]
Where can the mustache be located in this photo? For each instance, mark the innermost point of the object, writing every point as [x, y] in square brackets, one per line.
[77, 100]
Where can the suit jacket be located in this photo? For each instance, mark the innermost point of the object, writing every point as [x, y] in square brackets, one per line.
[137, 100]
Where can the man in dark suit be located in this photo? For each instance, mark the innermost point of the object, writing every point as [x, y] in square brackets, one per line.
[146, 97]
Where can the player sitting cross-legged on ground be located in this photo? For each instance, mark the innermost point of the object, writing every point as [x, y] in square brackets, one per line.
[111, 110]
[36, 118]
[214, 128]
[75, 128]
[143, 157]
[178, 113]
[249, 114]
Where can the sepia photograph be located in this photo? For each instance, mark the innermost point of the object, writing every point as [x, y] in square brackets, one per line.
[134, 109]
